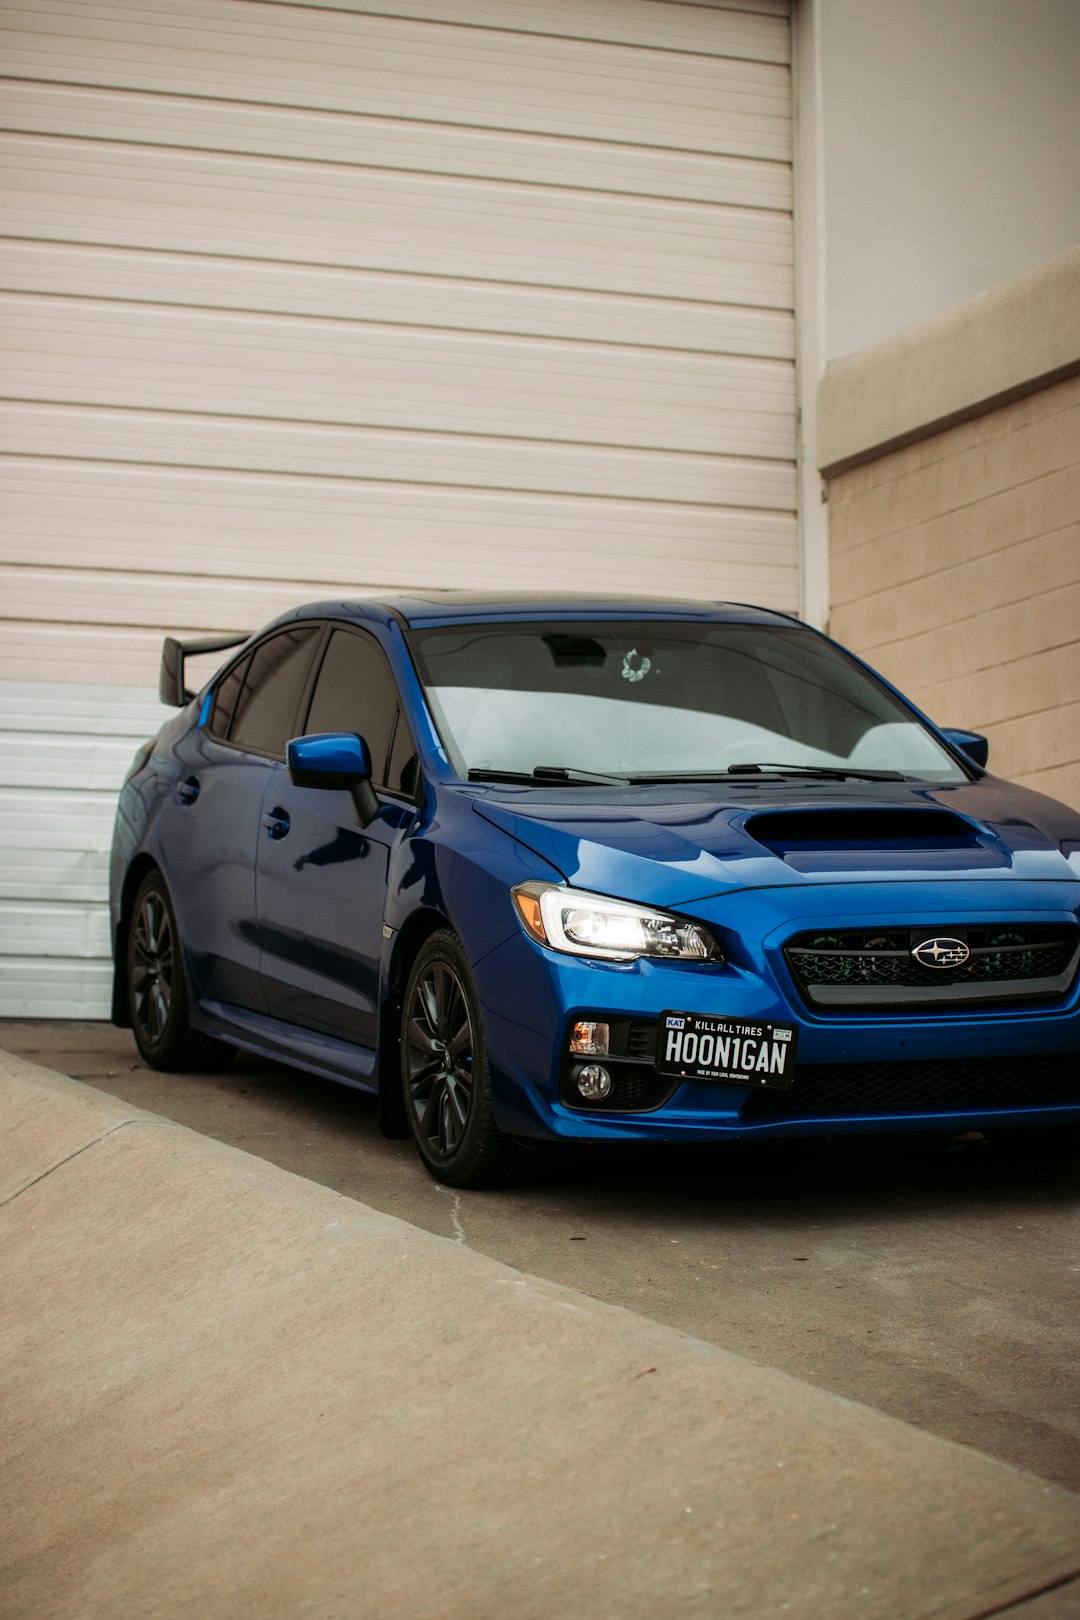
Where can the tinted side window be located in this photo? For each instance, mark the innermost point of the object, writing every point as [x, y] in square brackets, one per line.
[265, 714]
[225, 698]
[354, 691]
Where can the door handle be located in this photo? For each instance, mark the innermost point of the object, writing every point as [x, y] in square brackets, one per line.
[188, 790]
[276, 823]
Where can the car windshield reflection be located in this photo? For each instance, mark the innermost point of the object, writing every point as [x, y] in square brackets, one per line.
[615, 701]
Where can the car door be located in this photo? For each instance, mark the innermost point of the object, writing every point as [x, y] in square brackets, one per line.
[210, 840]
[321, 886]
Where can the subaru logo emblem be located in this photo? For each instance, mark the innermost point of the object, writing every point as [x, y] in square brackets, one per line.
[941, 953]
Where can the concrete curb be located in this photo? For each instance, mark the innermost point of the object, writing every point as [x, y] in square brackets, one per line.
[231, 1392]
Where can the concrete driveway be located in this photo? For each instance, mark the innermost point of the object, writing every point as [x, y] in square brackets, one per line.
[936, 1280]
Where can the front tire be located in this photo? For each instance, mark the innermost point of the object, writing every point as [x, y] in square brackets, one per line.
[445, 1078]
[157, 987]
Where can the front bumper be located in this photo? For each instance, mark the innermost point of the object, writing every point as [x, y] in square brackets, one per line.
[944, 1069]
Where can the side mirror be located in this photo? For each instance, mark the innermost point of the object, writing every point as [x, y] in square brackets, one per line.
[971, 743]
[335, 760]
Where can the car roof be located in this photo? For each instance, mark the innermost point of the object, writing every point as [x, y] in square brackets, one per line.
[436, 608]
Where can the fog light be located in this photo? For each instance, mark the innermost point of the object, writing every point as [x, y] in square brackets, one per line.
[594, 1082]
[586, 1038]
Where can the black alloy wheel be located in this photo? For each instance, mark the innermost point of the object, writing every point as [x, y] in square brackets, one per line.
[151, 970]
[157, 988]
[445, 1079]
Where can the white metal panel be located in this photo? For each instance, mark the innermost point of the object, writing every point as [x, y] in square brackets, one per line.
[306, 56]
[44, 650]
[54, 847]
[411, 224]
[739, 32]
[193, 280]
[310, 300]
[259, 366]
[203, 281]
[201, 522]
[118, 599]
[63, 931]
[41, 987]
[583, 295]
[64, 750]
[258, 130]
[224, 550]
[166, 438]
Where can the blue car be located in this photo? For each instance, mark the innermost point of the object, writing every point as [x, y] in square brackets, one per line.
[613, 871]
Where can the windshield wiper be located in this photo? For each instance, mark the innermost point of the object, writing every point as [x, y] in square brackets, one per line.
[543, 773]
[769, 772]
[571, 773]
[823, 773]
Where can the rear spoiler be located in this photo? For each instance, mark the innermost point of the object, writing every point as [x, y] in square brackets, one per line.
[171, 688]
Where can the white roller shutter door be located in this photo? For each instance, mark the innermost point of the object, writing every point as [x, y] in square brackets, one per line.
[300, 300]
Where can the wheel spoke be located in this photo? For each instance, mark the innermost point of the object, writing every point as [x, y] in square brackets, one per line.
[458, 1100]
[422, 1076]
[141, 975]
[461, 1042]
[419, 1037]
[448, 1136]
[158, 1010]
[442, 991]
[151, 921]
[429, 1006]
[431, 1116]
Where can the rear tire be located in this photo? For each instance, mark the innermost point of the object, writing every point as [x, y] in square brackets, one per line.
[445, 1078]
[157, 988]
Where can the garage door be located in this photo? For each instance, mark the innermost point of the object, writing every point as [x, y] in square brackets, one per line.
[306, 299]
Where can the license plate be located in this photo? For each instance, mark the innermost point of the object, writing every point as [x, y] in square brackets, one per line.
[698, 1047]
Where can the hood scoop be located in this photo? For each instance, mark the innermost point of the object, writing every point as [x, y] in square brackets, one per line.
[896, 837]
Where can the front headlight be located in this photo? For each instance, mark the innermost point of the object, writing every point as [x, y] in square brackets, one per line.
[584, 924]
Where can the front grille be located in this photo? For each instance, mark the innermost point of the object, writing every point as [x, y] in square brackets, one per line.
[641, 1041]
[869, 967]
[639, 1087]
[869, 1088]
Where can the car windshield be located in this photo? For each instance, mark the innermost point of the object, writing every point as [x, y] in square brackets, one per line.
[664, 699]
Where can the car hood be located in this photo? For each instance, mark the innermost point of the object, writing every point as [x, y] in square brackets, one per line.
[671, 846]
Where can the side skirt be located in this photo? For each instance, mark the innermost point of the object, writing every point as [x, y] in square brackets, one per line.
[286, 1043]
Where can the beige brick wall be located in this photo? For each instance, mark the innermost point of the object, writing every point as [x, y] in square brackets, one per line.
[955, 571]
